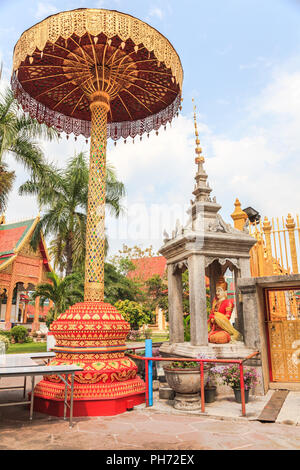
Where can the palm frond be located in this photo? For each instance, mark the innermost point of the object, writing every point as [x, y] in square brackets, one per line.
[6, 182]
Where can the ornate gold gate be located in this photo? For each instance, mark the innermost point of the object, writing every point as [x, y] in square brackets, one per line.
[283, 326]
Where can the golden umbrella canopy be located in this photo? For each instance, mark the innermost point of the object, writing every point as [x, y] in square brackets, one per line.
[61, 61]
[100, 73]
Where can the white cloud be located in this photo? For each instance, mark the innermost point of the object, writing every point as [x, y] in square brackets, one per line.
[45, 9]
[259, 62]
[156, 12]
[259, 166]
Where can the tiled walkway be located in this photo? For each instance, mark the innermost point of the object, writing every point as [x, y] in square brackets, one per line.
[140, 429]
[158, 428]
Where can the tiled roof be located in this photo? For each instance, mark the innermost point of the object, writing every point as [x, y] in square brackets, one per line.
[11, 235]
[148, 267]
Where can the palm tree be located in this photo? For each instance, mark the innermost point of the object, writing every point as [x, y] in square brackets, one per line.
[63, 292]
[6, 183]
[17, 138]
[63, 194]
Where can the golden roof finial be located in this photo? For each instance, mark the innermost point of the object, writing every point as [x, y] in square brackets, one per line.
[198, 150]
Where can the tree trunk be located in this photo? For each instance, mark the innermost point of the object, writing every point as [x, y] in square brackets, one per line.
[69, 253]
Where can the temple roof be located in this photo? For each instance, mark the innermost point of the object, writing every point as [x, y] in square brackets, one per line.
[148, 267]
[14, 236]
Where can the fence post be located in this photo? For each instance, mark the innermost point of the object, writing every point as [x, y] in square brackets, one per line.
[267, 228]
[202, 387]
[291, 226]
[242, 389]
[147, 381]
[148, 353]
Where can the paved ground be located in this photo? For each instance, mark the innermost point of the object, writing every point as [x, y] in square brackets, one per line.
[225, 407]
[139, 429]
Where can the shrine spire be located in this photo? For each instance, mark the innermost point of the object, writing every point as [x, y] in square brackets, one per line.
[198, 150]
[202, 190]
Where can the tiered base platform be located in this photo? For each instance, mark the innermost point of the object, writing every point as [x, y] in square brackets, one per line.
[92, 335]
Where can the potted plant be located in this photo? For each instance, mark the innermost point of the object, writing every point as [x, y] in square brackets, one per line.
[210, 389]
[230, 375]
[184, 378]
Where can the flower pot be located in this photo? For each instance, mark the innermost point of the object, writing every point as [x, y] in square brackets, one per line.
[238, 395]
[210, 394]
[186, 384]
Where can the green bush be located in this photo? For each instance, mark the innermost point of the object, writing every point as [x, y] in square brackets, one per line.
[187, 328]
[19, 333]
[6, 333]
[184, 365]
[5, 340]
[133, 312]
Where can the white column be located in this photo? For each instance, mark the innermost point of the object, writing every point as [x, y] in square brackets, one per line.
[199, 332]
[175, 306]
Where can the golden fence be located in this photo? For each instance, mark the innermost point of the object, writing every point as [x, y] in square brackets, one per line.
[277, 250]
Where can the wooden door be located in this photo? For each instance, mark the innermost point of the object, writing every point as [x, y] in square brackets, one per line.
[283, 328]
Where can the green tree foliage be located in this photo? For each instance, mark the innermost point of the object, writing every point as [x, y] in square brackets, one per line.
[119, 287]
[63, 194]
[18, 134]
[156, 291]
[6, 183]
[64, 292]
[133, 312]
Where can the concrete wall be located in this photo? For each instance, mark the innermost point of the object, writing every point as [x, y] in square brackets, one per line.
[253, 310]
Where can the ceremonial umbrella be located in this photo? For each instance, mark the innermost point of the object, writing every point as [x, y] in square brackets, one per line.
[98, 73]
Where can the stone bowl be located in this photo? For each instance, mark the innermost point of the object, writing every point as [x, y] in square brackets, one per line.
[186, 384]
[185, 381]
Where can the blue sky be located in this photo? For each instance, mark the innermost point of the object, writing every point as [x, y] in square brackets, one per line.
[241, 61]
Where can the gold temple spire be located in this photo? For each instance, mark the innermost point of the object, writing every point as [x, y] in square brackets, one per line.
[198, 150]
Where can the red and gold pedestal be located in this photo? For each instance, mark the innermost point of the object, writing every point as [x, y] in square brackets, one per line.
[92, 335]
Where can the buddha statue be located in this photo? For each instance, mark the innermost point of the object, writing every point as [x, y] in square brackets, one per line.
[220, 330]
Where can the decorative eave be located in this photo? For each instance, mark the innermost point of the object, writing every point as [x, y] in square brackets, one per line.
[8, 262]
[27, 236]
[235, 244]
[46, 254]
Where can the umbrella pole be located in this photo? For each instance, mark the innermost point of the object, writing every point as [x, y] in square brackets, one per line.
[95, 231]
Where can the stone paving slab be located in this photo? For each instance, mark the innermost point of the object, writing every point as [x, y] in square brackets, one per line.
[143, 428]
[225, 407]
[290, 411]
